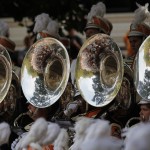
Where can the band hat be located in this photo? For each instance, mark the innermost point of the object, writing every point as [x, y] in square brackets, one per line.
[7, 43]
[46, 27]
[138, 27]
[98, 23]
[95, 18]
[143, 101]
[139, 30]
[136, 33]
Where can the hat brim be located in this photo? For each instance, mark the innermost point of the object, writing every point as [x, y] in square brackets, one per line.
[135, 33]
[142, 102]
[91, 26]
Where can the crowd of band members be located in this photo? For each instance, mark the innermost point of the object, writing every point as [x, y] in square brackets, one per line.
[138, 32]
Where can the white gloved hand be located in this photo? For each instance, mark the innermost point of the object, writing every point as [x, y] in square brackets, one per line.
[16, 141]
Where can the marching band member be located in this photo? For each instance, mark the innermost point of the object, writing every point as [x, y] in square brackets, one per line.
[138, 31]
[50, 29]
[96, 23]
[144, 110]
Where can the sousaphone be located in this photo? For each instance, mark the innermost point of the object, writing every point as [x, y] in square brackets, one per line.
[8, 105]
[142, 70]
[5, 72]
[45, 72]
[99, 70]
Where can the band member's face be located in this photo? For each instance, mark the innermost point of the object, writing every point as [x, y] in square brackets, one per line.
[145, 113]
[35, 112]
[90, 32]
[32, 111]
[135, 42]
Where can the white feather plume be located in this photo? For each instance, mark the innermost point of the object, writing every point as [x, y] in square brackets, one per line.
[100, 128]
[53, 28]
[51, 134]
[4, 133]
[102, 143]
[80, 128]
[4, 29]
[37, 131]
[141, 13]
[97, 10]
[137, 137]
[41, 22]
[61, 143]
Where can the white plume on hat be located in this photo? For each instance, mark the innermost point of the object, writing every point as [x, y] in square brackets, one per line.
[37, 131]
[4, 133]
[4, 29]
[53, 28]
[137, 137]
[141, 13]
[98, 137]
[100, 128]
[102, 143]
[41, 22]
[61, 143]
[53, 131]
[80, 128]
[97, 10]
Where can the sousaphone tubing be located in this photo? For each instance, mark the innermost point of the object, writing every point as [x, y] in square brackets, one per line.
[99, 70]
[45, 72]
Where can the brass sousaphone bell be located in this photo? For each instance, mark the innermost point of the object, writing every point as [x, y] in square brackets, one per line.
[99, 70]
[142, 70]
[5, 72]
[45, 72]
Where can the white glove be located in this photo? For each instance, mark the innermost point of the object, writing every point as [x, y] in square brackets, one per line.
[16, 141]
